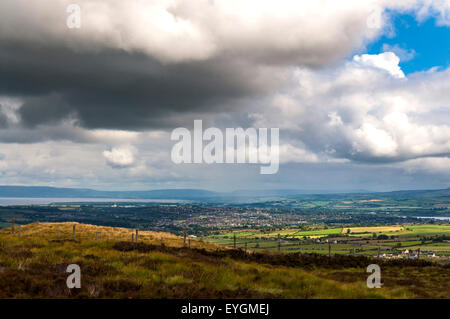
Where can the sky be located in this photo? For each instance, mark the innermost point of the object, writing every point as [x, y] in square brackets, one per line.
[421, 45]
[358, 89]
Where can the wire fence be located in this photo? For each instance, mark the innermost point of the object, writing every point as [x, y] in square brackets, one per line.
[247, 244]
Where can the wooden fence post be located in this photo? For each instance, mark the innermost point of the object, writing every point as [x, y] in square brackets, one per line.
[184, 240]
[73, 232]
[279, 244]
[378, 252]
[96, 236]
[59, 234]
[162, 241]
[245, 247]
[329, 249]
[234, 241]
[137, 232]
[189, 242]
[418, 253]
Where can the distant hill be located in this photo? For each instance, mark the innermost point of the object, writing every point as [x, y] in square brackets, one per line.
[46, 192]
[287, 192]
[396, 195]
[199, 194]
[419, 193]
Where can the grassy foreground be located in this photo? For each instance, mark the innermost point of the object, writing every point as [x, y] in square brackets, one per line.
[34, 266]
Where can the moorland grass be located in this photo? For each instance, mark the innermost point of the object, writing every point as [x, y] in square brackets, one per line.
[34, 266]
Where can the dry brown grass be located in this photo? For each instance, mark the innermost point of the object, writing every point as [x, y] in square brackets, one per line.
[86, 232]
[33, 266]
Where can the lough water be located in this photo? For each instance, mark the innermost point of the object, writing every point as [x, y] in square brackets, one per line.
[5, 201]
[435, 217]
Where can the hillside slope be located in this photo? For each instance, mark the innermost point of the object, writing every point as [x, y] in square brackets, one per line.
[34, 265]
[58, 192]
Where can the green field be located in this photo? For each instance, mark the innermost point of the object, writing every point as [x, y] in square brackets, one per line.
[284, 233]
[359, 241]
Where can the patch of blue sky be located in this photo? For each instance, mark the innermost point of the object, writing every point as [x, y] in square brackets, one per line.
[419, 45]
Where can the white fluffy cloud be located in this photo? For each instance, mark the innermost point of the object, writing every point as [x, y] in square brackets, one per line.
[358, 111]
[123, 156]
[293, 31]
[437, 8]
[387, 61]
[403, 53]
[300, 32]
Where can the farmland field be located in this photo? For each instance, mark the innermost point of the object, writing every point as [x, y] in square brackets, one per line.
[377, 229]
[391, 239]
[285, 233]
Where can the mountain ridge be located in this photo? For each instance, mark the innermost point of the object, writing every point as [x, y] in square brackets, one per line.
[186, 193]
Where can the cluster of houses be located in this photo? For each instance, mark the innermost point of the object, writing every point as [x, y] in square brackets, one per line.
[412, 254]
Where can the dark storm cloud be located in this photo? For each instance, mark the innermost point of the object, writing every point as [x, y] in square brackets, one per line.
[3, 120]
[119, 90]
[45, 109]
[42, 133]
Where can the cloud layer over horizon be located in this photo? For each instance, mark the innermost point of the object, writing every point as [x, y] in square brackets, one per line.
[106, 96]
